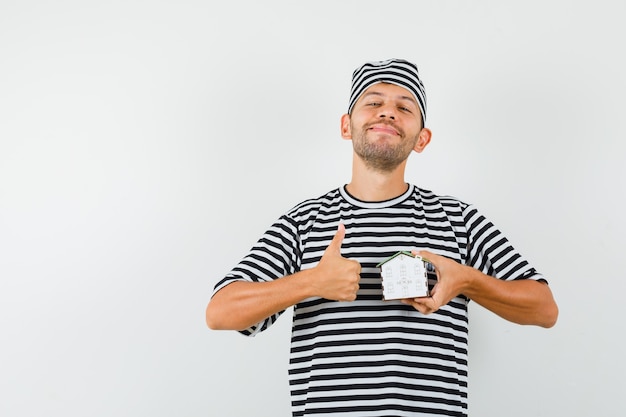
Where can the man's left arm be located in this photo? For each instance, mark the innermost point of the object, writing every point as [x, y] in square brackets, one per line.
[523, 301]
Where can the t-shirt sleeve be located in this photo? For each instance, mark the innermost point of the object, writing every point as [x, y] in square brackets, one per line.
[274, 256]
[491, 252]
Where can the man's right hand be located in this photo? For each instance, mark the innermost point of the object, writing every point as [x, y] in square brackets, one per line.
[337, 278]
[242, 304]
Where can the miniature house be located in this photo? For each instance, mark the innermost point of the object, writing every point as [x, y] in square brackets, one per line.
[404, 275]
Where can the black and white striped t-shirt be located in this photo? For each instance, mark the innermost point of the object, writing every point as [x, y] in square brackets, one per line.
[372, 357]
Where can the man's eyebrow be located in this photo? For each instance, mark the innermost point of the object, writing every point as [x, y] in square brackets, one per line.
[376, 93]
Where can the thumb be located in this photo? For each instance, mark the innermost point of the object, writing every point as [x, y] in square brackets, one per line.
[335, 244]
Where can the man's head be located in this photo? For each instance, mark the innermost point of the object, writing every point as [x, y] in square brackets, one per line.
[394, 71]
[385, 115]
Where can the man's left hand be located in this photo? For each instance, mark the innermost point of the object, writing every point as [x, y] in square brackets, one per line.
[451, 279]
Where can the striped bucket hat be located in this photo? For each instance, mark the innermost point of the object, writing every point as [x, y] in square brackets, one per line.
[394, 71]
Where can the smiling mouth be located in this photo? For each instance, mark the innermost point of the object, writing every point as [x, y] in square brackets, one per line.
[384, 129]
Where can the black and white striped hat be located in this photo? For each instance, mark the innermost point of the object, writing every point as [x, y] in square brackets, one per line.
[395, 71]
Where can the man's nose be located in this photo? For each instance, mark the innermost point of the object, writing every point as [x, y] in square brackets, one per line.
[387, 111]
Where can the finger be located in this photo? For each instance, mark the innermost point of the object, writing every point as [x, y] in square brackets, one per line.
[418, 304]
[428, 256]
[425, 305]
[335, 244]
[425, 254]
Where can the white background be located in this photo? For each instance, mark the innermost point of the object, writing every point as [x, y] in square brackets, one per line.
[145, 145]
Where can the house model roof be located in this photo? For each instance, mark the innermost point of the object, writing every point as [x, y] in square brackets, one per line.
[404, 252]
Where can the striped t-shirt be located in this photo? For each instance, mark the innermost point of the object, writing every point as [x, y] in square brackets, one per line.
[372, 357]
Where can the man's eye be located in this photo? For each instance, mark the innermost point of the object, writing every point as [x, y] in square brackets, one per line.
[375, 103]
[406, 109]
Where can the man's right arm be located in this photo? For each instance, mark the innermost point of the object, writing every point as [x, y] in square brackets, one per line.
[242, 304]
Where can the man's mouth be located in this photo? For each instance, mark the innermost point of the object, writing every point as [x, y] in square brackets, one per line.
[384, 128]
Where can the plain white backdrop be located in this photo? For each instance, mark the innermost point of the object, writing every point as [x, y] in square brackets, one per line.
[145, 146]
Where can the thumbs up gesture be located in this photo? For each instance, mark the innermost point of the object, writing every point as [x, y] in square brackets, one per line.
[337, 278]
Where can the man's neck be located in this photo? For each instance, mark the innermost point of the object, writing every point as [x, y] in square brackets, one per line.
[369, 185]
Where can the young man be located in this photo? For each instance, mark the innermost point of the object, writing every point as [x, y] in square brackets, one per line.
[352, 353]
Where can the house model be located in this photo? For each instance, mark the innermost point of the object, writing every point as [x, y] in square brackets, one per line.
[404, 275]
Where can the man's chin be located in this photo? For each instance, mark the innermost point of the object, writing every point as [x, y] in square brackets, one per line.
[383, 166]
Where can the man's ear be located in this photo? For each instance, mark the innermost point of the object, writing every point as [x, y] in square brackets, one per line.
[346, 132]
[423, 140]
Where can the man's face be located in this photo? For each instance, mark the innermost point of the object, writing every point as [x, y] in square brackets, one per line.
[384, 126]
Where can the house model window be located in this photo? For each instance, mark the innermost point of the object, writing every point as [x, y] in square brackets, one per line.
[404, 275]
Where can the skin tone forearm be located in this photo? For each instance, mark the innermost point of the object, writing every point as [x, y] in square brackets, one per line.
[522, 301]
[241, 304]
